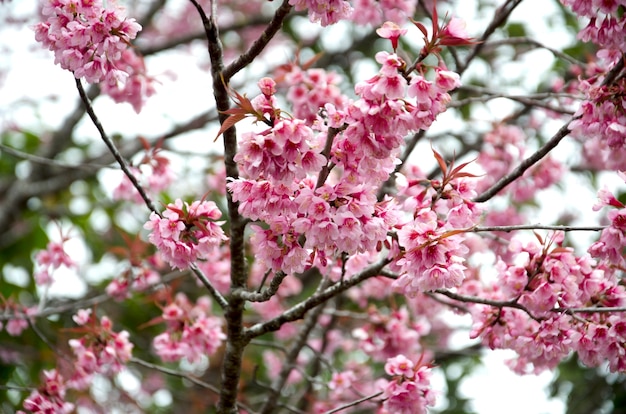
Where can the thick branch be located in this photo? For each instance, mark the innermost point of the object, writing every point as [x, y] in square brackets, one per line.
[536, 227]
[298, 311]
[265, 294]
[233, 313]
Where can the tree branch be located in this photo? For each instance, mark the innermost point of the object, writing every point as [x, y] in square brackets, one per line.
[355, 403]
[215, 294]
[298, 311]
[260, 43]
[265, 294]
[526, 164]
[233, 313]
[116, 154]
[509, 229]
[500, 17]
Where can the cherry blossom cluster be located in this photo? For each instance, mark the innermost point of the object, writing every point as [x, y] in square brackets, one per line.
[100, 351]
[375, 12]
[348, 385]
[536, 288]
[134, 278]
[309, 90]
[50, 397]
[378, 122]
[605, 26]
[610, 246]
[364, 12]
[409, 390]
[601, 121]
[602, 116]
[432, 245]
[192, 332]
[49, 260]
[326, 12]
[15, 325]
[93, 42]
[338, 211]
[386, 336]
[186, 232]
[288, 151]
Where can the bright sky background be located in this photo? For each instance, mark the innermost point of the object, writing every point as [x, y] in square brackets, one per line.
[32, 77]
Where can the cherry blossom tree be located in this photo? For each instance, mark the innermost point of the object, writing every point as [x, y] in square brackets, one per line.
[362, 176]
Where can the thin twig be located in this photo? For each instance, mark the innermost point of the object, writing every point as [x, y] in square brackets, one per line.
[215, 294]
[260, 43]
[83, 303]
[109, 143]
[500, 17]
[535, 227]
[513, 41]
[354, 403]
[526, 164]
[514, 304]
[47, 161]
[590, 310]
[17, 388]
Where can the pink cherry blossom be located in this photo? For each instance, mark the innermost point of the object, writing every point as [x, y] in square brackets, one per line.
[391, 31]
[186, 233]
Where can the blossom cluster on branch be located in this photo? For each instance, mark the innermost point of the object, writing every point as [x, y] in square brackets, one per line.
[93, 42]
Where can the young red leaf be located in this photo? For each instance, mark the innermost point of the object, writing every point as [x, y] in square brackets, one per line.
[421, 28]
[435, 20]
[228, 123]
[440, 161]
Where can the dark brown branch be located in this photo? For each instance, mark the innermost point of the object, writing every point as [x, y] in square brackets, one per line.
[265, 294]
[514, 304]
[500, 17]
[614, 73]
[233, 313]
[354, 403]
[113, 149]
[183, 40]
[526, 164]
[531, 101]
[260, 43]
[298, 311]
[330, 138]
[515, 41]
[215, 294]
